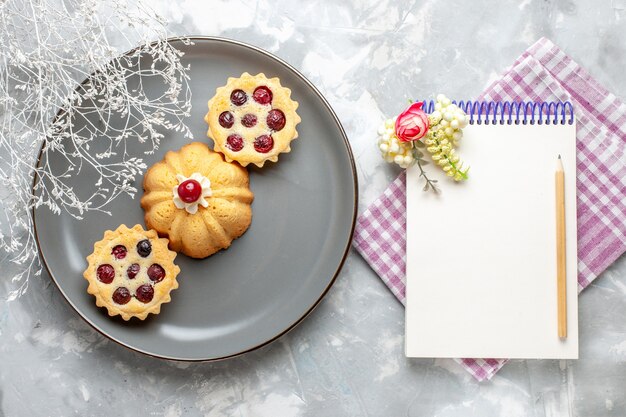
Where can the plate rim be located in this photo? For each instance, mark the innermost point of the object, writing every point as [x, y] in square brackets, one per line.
[309, 310]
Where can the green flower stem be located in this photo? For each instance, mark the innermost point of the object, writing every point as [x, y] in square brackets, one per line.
[430, 184]
[461, 173]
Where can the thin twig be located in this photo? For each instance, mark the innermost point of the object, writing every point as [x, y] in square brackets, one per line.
[46, 50]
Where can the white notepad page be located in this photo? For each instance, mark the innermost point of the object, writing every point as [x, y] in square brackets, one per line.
[481, 255]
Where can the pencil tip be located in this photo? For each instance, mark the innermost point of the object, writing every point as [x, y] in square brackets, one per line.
[559, 156]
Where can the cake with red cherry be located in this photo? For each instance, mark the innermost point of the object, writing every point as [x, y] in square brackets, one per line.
[252, 119]
[131, 272]
[196, 199]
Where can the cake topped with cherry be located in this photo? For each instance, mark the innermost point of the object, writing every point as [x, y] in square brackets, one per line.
[252, 119]
[198, 201]
[131, 272]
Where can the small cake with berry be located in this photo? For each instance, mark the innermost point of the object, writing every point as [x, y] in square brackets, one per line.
[131, 272]
[252, 119]
[197, 200]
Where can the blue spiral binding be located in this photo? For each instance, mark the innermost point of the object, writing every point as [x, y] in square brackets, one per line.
[513, 112]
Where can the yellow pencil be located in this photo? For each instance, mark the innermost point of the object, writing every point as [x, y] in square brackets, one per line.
[559, 179]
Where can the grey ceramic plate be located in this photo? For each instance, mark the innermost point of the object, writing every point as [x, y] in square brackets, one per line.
[269, 280]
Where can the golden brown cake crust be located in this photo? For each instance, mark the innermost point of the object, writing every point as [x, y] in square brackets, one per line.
[159, 254]
[228, 213]
[281, 100]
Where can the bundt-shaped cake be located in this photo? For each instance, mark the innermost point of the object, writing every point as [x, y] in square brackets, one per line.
[197, 200]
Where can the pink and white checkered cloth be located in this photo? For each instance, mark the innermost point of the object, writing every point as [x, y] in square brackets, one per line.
[544, 73]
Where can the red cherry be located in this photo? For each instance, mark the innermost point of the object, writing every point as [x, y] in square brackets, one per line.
[226, 119]
[119, 252]
[121, 295]
[264, 143]
[144, 293]
[248, 120]
[156, 273]
[132, 271]
[275, 119]
[105, 273]
[234, 142]
[238, 97]
[189, 191]
[262, 95]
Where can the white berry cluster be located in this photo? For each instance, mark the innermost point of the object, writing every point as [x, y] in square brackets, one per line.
[444, 134]
[448, 117]
[391, 148]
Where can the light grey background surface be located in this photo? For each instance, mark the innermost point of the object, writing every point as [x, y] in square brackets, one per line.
[347, 358]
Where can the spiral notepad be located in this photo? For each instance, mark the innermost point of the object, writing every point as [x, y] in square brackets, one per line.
[481, 263]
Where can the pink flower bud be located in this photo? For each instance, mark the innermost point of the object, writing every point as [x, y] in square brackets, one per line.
[412, 124]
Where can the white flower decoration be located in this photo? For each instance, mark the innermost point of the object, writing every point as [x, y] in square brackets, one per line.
[205, 184]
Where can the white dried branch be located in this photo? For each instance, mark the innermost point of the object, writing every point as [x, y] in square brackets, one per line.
[48, 47]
